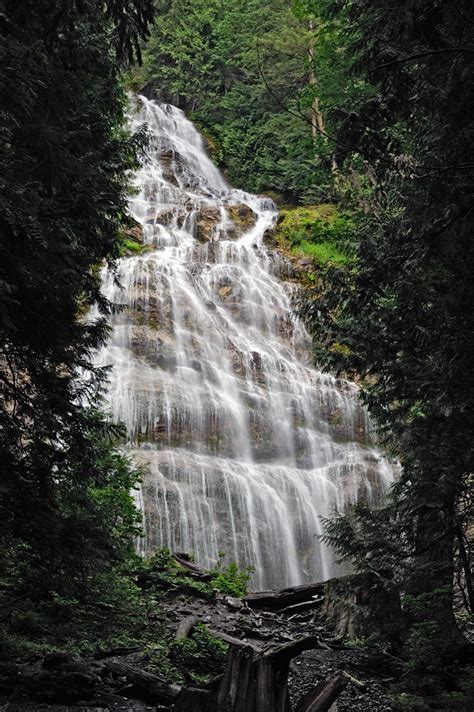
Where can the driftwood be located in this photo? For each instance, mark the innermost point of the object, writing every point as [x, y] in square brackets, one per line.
[297, 608]
[148, 683]
[277, 600]
[236, 642]
[187, 624]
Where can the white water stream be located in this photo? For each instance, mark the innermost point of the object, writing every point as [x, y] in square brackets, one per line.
[246, 444]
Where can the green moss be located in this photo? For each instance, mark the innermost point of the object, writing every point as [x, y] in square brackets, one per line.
[323, 253]
[322, 232]
[131, 247]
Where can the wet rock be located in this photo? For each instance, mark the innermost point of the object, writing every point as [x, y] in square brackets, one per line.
[206, 221]
[242, 216]
[235, 603]
[224, 291]
[135, 232]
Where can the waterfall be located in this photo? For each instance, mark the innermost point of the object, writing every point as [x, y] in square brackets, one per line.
[245, 445]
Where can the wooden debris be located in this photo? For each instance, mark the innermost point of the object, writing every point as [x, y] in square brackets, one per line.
[234, 641]
[321, 697]
[148, 683]
[278, 600]
[186, 626]
[193, 569]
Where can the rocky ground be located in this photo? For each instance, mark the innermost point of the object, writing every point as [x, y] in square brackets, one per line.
[64, 682]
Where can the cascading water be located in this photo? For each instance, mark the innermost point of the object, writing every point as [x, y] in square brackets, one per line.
[246, 446]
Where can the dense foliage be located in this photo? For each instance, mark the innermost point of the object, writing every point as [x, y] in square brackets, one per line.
[314, 100]
[249, 77]
[402, 314]
[65, 506]
[132, 607]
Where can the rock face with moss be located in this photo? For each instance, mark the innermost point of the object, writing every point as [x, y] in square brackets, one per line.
[245, 445]
[313, 237]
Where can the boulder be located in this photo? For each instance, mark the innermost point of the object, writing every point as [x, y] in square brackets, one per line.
[206, 221]
[242, 216]
[135, 232]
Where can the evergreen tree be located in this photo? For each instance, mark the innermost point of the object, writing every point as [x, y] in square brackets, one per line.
[402, 315]
[65, 158]
[245, 73]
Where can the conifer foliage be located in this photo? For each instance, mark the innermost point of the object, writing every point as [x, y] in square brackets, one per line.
[403, 314]
[64, 164]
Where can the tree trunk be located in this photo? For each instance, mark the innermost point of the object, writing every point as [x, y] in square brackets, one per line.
[317, 123]
[254, 682]
[432, 581]
[466, 568]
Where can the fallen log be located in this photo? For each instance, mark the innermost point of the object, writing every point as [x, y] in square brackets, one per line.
[296, 608]
[357, 683]
[193, 569]
[186, 626]
[234, 641]
[321, 697]
[277, 600]
[112, 652]
[150, 684]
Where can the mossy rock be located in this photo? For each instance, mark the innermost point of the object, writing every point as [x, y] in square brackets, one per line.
[320, 232]
[242, 216]
[132, 241]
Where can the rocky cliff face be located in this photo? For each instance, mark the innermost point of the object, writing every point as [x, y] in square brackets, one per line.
[245, 445]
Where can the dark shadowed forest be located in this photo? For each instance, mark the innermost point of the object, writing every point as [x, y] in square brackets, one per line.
[236, 345]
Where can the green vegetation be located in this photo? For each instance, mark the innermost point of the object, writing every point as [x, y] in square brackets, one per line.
[404, 313]
[246, 74]
[322, 232]
[67, 517]
[128, 607]
[163, 572]
[201, 655]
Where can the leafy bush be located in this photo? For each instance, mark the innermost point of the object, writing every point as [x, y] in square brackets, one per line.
[164, 574]
[201, 655]
[228, 578]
